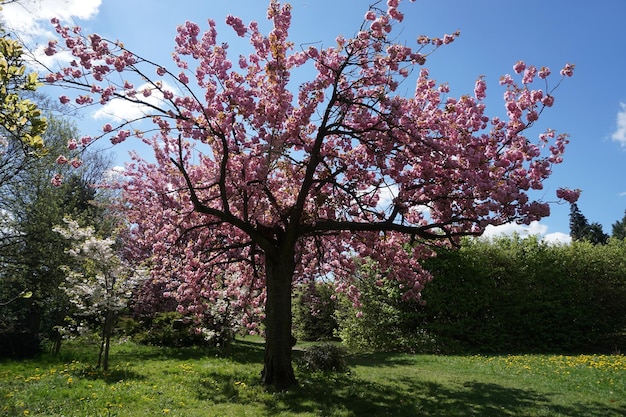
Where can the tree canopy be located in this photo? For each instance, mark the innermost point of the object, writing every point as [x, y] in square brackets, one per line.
[256, 185]
[30, 252]
[20, 118]
[580, 229]
[618, 229]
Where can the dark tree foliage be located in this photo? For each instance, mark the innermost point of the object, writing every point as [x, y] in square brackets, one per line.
[580, 229]
[314, 313]
[30, 252]
[578, 223]
[619, 228]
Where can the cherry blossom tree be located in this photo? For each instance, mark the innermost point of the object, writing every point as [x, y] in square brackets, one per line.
[101, 283]
[257, 185]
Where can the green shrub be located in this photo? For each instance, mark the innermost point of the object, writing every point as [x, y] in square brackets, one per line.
[505, 295]
[169, 329]
[324, 357]
[314, 313]
[384, 322]
[514, 294]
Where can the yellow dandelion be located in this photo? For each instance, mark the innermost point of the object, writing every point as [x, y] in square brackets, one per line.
[166, 410]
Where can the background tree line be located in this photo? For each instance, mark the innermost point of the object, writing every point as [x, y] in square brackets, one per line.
[30, 251]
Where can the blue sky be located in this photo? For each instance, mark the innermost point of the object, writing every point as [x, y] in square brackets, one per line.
[591, 106]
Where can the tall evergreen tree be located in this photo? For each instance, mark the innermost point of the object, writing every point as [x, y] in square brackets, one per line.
[619, 228]
[578, 223]
[580, 229]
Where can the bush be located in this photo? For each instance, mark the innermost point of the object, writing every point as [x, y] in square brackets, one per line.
[523, 295]
[314, 313]
[384, 322]
[505, 295]
[19, 344]
[324, 357]
[168, 329]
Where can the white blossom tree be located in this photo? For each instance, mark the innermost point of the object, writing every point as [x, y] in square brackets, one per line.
[101, 282]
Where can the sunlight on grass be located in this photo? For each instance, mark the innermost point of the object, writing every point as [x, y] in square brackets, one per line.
[148, 381]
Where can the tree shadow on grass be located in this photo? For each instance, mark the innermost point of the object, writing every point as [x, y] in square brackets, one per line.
[111, 376]
[357, 397]
[240, 351]
[381, 359]
[348, 395]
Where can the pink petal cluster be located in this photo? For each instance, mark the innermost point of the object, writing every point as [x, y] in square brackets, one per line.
[571, 196]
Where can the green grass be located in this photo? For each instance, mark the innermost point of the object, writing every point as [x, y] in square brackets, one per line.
[148, 381]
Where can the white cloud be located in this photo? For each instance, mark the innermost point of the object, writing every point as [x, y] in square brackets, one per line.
[386, 195]
[533, 229]
[43, 62]
[557, 238]
[620, 134]
[30, 19]
[114, 174]
[120, 110]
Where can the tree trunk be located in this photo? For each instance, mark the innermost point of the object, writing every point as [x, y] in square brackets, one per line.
[103, 356]
[278, 371]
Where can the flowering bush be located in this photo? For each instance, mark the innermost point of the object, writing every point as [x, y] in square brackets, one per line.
[101, 283]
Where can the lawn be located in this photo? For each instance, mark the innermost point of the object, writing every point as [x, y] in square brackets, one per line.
[148, 381]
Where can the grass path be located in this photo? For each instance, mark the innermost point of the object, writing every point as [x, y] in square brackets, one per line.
[147, 381]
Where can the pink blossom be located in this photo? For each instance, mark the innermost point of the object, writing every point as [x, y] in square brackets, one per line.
[529, 74]
[76, 163]
[395, 14]
[506, 80]
[547, 101]
[447, 39]
[51, 49]
[544, 72]
[237, 24]
[519, 67]
[436, 41]
[121, 136]
[107, 128]
[161, 71]
[72, 144]
[64, 99]
[57, 180]
[568, 70]
[480, 89]
[532, 116]
[84, 99]
[61, 160]
[571, 196]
